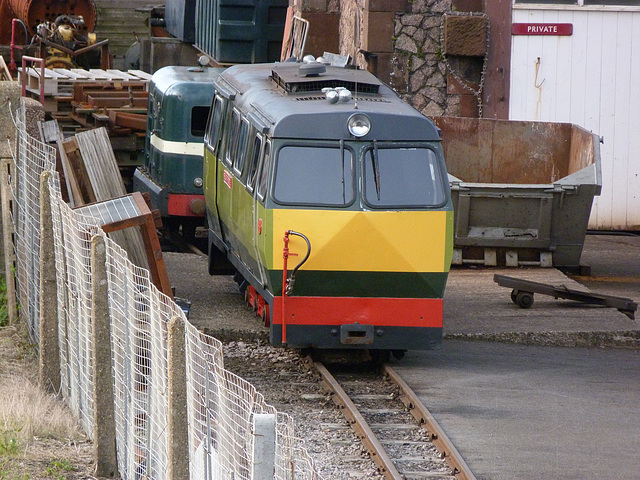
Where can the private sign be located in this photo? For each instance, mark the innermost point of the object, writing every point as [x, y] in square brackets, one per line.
[542, 29]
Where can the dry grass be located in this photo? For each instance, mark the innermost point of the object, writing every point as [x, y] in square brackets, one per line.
[39, 437]
[25, 408]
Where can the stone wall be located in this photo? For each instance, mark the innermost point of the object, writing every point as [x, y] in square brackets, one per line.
[401, 41]
[420, 74]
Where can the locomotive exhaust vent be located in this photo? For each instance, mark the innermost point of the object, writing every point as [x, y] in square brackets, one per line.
[290, 80]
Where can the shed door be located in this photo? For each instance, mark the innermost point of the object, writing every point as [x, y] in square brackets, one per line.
[590, 78]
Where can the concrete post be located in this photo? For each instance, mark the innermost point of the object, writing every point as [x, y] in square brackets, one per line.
[104, 425]
[264, 446]
[178, 468]
[7, 232]
[49, 367]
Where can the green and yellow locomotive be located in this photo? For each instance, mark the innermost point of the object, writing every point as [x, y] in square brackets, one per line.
[329, 196]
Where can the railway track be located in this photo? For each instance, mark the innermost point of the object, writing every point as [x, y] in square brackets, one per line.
[400, 434]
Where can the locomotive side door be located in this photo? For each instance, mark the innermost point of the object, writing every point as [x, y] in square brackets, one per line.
[261, 229]
[212, 152]
[257, 149]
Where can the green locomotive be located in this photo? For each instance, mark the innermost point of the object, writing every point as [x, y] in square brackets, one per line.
[179, 102]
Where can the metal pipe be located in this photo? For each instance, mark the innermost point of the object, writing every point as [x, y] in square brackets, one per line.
[287, 283]
[285, 259]
[12, 63]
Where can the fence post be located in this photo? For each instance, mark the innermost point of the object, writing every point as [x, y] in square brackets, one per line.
[49, 366]
[7, 236]
[104, 425]
[264, 446]
[178, 441]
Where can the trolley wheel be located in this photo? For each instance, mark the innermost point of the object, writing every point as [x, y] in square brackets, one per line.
[514, 296]
[524, 299]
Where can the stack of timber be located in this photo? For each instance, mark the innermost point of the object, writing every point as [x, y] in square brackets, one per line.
[81, 100]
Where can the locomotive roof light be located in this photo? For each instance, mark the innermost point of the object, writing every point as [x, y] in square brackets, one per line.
[344, 95]
[197, 182]
[359, 124]
[333, 95]
[330, 94]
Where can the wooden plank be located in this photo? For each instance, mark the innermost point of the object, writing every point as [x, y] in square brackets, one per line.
[52, 134]
[117, 92]
[109, 102]
[83, 74]
[122, 75]
[107, 183]
[33, 81]
[68, 74]
[51, 131]
[81, 90]
[100, 117]
[73, 189]
[5, 74]
[120, 93]
[141, 74]
[85, 193]
[128, 120]
[153, 250]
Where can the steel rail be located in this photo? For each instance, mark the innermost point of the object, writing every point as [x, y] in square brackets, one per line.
[459, 467]
[359, 424]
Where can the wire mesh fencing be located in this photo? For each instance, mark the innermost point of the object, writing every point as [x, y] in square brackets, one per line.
[222, 409]
[36, 157]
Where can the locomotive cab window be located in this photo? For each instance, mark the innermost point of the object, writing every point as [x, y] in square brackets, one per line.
[254, 159]
[199, 117]
[232, 138]
[306, 175]
[216, 116]
[240, 151]
[263, 183]
[402, 177]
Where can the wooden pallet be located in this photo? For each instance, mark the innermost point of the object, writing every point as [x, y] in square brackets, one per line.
[59, 83]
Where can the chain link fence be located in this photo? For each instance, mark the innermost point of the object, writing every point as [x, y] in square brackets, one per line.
[222, 409]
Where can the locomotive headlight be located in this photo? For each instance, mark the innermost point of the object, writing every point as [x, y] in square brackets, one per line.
[197, 182]
[359, 124]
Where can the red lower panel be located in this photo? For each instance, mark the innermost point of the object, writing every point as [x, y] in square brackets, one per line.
[181, 205]
[401, 312]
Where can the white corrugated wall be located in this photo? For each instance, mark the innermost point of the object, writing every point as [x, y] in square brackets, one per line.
[592, 79]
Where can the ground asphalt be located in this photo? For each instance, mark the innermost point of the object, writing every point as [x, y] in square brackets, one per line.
[549, 392]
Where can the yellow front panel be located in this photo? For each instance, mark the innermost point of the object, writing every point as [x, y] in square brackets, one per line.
[402, 241]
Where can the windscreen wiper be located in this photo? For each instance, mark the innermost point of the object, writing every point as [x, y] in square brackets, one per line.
[376, 167]
[344, 194]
